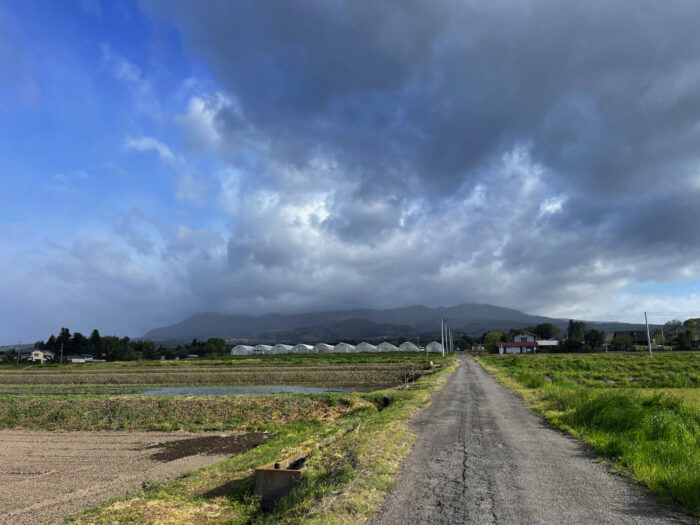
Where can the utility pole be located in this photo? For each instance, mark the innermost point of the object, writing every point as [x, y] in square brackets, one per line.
[442, 335]
[646, 321]
[61, 353]
[663, 342]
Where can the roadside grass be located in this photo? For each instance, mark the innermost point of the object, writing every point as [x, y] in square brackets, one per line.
[352, 462]
[652, 434]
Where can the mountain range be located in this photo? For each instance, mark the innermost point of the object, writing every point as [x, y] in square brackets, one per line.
[407, 322]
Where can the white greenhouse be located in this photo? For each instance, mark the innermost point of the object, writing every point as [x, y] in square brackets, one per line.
[302, 349]
[365, 347]
[344, 348]
[282, 349]
[262, 349]
[387, 347]
[323, 348]
[434, 347]
[408, 346]
[242, 350]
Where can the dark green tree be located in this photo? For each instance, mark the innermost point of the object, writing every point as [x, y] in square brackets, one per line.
[547, 331]
[51, 343]
[64, 339]
[576, 330]
[594, 339]
[622, 341]
[96, 342]
[78, 343]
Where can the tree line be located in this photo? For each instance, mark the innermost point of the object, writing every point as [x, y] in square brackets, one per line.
[113, 348]
[673, 335]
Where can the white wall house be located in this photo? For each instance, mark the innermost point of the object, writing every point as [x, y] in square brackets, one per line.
[387, 347]
[522, 344]
[242, 350]
[548, 342]
[302, 349]
[408, 346]
[434, 347]
[323, 348]
[365, 347]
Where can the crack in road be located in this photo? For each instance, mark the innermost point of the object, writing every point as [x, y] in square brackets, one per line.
[480, 457]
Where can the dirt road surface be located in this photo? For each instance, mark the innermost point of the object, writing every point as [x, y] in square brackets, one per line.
[480, 457]
[46, 476]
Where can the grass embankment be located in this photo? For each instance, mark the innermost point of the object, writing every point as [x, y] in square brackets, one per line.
[640, 412]
[344, 480]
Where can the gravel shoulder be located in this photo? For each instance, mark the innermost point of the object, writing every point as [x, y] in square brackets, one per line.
[481, 457]
[47, 476]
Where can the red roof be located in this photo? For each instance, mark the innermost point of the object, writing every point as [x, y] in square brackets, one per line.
[521, 343]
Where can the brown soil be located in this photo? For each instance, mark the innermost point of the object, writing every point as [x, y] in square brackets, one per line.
[46, 476]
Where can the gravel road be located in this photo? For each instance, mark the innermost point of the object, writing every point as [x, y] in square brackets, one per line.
[480, 457]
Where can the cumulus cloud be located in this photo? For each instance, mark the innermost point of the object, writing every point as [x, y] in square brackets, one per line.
[523, 153]
[527, 154]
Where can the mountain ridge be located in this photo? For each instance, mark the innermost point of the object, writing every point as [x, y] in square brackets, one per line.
[409, 321]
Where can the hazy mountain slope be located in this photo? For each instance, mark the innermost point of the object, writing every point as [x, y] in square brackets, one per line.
[470, 318]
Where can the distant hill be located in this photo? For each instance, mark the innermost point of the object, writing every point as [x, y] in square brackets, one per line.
[473, 319]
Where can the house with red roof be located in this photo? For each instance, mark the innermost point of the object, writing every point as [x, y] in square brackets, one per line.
[522, 344]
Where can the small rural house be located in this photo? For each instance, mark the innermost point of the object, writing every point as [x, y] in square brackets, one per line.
[548, 343]
[408, 346]
[434, 347]
[387, 347]
[522, 344]
[242, 350]
[323, 348]
[302, 349]
[41, 356]
[365, 347]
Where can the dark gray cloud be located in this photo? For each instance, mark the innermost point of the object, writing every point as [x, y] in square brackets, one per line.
[540, 155]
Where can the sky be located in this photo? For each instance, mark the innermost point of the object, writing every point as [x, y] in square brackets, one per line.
[163, 158]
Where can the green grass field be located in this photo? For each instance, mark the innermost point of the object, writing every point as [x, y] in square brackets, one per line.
[640, 412]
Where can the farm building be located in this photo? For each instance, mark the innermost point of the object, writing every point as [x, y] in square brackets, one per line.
[365, 347]
[344, 348]
[522, 344]
[408, 347]
[41, 356]
[434, 347]
[387, 347]
[302, 349]
[282, 349]
[323, 348]
[262, 349]
[548, 342]
[242, 350]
